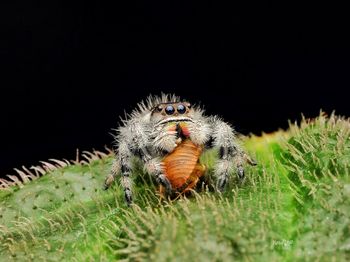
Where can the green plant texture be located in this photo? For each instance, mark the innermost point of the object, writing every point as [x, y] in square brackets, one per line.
[293, 206]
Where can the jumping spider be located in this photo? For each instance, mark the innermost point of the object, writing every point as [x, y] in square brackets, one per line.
[155, 130]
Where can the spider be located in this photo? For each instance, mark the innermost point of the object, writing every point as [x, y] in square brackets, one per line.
[158, 128]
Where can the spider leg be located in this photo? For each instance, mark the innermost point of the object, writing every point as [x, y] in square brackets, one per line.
[132, 139]
[155, 167]
[115, 170]
[231, 156]
[122, 164]
[124, 157]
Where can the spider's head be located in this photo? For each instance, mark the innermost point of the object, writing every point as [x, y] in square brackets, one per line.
[171, 112]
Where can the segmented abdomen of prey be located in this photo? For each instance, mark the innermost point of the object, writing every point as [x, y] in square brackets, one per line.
[182, 166]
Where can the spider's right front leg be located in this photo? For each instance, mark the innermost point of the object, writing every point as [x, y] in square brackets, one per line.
[155, 167]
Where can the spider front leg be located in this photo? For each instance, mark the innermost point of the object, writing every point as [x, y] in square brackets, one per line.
[229, 159]
[155, 168]
[231, 156]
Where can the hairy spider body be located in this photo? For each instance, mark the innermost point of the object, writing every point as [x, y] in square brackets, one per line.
[169, 135]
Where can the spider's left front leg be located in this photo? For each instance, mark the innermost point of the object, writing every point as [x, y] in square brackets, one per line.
[231, 156]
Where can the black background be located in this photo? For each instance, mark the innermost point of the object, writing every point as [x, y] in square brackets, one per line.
[68, 71]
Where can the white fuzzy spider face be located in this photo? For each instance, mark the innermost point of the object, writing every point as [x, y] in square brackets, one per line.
[169, 112]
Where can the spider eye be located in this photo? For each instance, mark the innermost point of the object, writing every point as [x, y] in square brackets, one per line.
[169, 110]
[181, 109]
[159, 108]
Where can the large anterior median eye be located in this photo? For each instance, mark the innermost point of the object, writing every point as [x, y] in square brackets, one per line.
[181, 109]
[169, 110]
